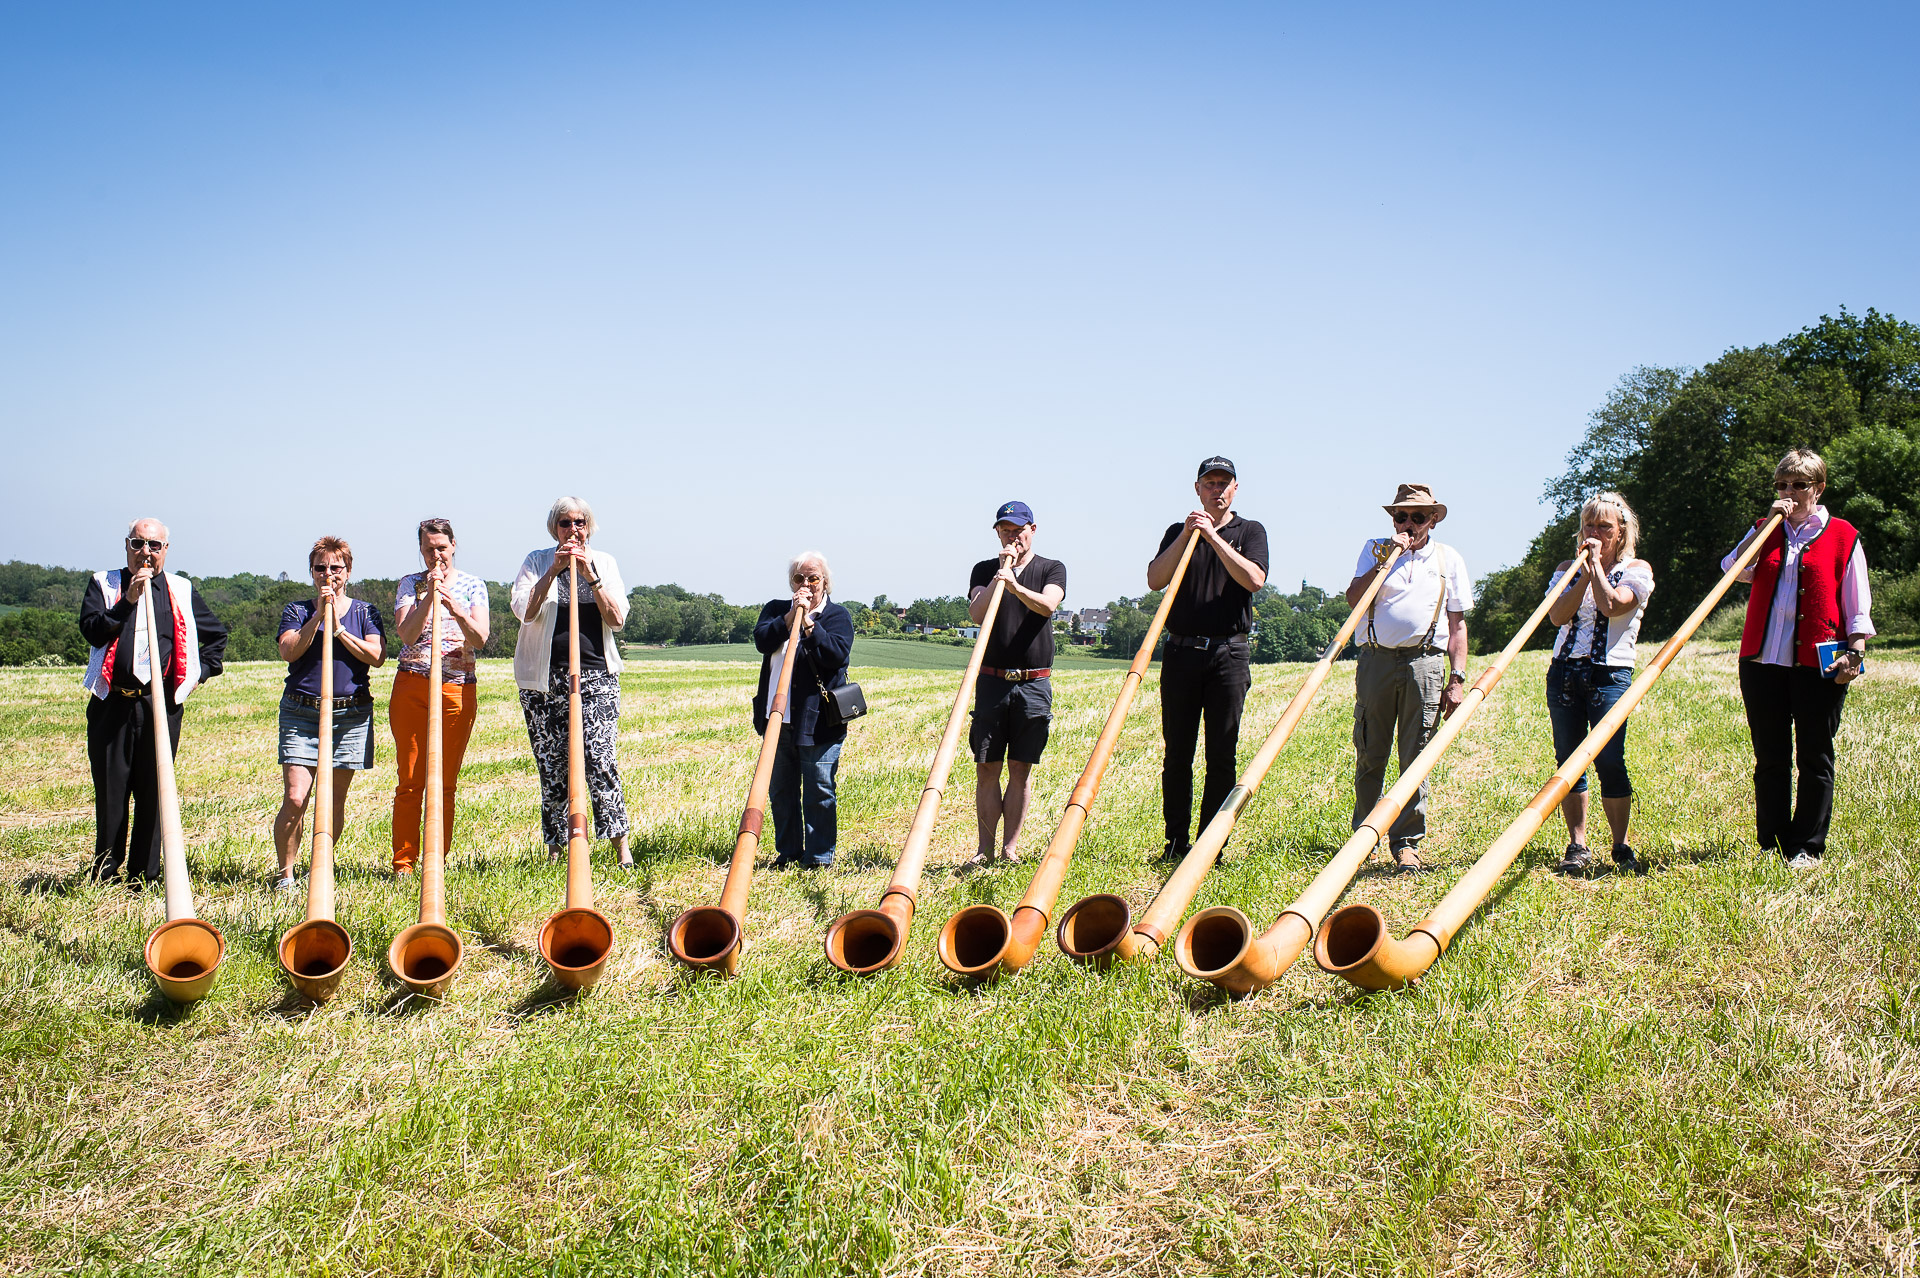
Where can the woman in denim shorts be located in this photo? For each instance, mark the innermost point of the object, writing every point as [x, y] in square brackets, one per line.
[1599, 618]
[359, 644]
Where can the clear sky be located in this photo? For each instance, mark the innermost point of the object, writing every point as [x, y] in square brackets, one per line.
[752, 278]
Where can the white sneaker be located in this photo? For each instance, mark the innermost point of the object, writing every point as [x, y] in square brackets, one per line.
[1804, 862]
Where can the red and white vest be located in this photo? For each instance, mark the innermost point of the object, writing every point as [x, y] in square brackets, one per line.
[1823, 561]
[183, 672]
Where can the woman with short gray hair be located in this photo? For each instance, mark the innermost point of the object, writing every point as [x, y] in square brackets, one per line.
[540, 669]
[806, 760]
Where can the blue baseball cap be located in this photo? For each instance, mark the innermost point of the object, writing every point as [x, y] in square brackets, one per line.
[1014, 512]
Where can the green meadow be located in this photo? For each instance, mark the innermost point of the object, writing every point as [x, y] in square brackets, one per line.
[1713, 1069]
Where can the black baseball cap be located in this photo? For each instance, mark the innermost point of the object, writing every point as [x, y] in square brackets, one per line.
[1216, 463]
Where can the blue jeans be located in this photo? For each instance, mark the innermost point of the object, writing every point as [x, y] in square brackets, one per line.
[803, 780]
[1579, 694]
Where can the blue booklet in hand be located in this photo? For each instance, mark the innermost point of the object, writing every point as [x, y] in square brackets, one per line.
[1826, 653]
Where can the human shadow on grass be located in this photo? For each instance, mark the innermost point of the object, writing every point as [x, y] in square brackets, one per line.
[545, 999]
[46, 883]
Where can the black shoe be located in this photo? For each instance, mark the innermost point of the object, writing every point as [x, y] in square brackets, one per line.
[784, 860]
[1576, 861]
[1173, 853]
[1625, 862]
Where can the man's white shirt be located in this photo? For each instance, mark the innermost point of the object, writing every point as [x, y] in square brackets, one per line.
[1403, 610]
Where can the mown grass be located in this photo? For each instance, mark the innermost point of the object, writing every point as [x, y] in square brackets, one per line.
[1710, 1069]
[878, 654]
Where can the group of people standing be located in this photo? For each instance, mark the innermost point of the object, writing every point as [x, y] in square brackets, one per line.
[1808, 620]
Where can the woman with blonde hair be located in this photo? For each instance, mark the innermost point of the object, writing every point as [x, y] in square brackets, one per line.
[1599, 618]
[540, 669]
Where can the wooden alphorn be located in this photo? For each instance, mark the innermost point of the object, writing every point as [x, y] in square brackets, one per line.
[1355, 943]
[867, 941]
[315, 953]
[577, 941]
[426, 956]
[1100, 928]
[710, 937]
[1218, 945]
[980, 940]
[184, 952]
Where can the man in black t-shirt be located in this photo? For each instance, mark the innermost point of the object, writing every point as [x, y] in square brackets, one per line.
[1013, 701]
[1206, 667]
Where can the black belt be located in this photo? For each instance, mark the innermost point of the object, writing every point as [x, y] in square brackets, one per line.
[1205, 643]
[129, 692]
[1408, 653]
[339, 703]
[1017, 676]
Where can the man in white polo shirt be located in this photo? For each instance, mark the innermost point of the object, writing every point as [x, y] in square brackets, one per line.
[1402, 688]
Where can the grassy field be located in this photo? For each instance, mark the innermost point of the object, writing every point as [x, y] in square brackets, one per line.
[877, 654]
[1713, 1069]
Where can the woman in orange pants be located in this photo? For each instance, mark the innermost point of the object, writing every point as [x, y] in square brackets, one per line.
[463, 632]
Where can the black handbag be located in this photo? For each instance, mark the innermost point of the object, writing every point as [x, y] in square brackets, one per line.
[839, 706]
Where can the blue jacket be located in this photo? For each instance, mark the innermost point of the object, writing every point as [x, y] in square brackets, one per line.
[823, 653]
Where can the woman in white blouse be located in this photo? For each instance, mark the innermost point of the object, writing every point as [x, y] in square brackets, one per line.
[1599, 618]
[540, 668]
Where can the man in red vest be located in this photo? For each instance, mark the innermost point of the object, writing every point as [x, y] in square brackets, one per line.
[1805, 641]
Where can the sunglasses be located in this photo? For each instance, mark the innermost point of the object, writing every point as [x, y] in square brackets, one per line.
[1417, 518]
[1791, 485]
[331, 570]
[142, 543]
[570, 523]
[808, 578]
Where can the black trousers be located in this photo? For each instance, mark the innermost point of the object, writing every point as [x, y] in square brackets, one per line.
[1197, 683]
[1792, 714]
[120, 751]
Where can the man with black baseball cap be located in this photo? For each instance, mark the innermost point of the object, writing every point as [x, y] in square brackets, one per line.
[1013, 701]
[1207, 666]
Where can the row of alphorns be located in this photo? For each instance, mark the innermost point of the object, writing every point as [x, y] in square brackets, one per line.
[980, 941]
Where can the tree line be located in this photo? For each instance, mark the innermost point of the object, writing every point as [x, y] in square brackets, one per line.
[1693, 451]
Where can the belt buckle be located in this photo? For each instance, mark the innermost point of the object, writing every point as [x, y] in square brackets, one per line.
[1203, 642]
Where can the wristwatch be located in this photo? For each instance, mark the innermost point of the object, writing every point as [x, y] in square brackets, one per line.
[1460, 676]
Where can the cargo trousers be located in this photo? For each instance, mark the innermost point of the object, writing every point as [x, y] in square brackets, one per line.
[1396, 696]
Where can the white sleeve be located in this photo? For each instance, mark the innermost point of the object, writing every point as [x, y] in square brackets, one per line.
[1856, 596]
[611, 579]
[1726, 565]
[523, 584]
[1639, 579]
[1459, 586]
[1367, 563]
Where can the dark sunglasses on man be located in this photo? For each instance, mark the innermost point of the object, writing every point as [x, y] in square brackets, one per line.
[1417, 518]
[142, 543]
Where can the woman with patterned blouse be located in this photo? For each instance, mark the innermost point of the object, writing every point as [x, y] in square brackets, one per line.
[463, 632]
[540, 669]
[1599, 618]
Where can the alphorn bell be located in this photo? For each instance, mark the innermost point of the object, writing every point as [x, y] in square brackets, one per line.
[183, 953]
[1355, 943]
[577, 941]
[1218, 945]
[980, 940]
[1100, 928]
[315, 953]
[868, 941]
[710, 937]
[427, 955]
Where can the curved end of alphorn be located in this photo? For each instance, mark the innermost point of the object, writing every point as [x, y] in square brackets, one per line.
[184, 956]
[706, 938]
[862, 942]
[973, 943]
[315, 955]
[1354, 944]
[576, 943]
[1218, 945]
[425, 958]
[1096, 930]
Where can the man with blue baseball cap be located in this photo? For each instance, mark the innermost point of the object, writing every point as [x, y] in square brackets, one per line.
[1013, 701]
[1206, 668]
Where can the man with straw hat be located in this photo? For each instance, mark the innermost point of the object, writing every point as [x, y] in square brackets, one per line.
[1207, 666]
[1402, 687]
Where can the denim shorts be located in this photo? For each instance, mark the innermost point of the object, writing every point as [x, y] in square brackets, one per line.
[1579, 694]
[352, 736]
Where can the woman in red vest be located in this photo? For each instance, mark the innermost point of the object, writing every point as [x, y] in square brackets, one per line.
[1809, 589]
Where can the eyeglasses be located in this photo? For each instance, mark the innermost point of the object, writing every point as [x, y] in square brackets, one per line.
[1791, 485]
[142, 543]
[808, 578]
[570, 523]
[331, 570]
[1417, 518]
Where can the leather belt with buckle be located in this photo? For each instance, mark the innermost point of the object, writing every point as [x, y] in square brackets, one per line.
[339, 703]
[129, 692]
[1017, 676]
[1205, 643]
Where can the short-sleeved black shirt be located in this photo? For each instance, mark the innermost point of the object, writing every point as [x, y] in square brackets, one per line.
[1022, 639]
[1210, 601]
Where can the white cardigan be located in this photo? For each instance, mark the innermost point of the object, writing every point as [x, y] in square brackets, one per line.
[533, 650]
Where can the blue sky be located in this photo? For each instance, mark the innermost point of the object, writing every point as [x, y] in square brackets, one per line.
[757, 277]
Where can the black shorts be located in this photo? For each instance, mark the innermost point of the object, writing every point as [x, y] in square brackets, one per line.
[1010, 719]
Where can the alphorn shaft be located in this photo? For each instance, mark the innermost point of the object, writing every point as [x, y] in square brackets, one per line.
[315, 952]
[577, 940]
[1213, 945]
[1355, 943]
